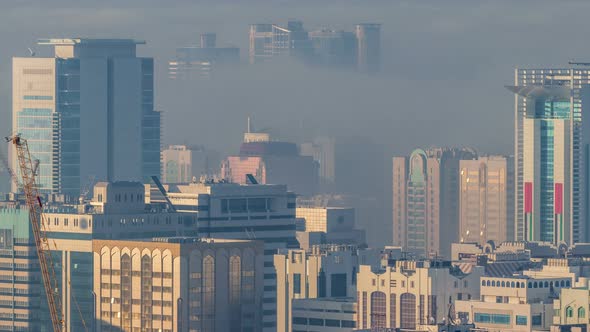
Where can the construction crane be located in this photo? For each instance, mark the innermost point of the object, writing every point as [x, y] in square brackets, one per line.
[28, 169]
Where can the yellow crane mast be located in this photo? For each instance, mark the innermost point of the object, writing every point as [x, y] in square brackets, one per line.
[28, 169]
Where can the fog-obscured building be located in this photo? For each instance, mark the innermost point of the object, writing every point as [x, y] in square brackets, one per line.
[178, 284]
[323, 151]
[199, 61]
[88, 113]
[334, 225]
[272, 162]
[183, 164]
[360, 49]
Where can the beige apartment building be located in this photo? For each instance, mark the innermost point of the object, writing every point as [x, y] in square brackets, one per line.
[485, 200]
[407, 294]
[178, 284]
[324, 271]
[519, 303]
[425, 195]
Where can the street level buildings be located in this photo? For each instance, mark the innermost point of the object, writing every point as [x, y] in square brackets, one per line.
[322, 272]
[234, 211]
[88, 113]
[408, 293]
[178, 284]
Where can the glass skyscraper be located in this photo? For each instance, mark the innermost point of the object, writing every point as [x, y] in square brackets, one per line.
[551, 154]
[88, 113]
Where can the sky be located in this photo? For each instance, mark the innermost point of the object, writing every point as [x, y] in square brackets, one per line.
[445, 64]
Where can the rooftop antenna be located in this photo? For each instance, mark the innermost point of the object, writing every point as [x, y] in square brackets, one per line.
[31, 52]
[249, 126]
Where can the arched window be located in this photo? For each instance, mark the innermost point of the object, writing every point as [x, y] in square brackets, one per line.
[530, 284]
[483, 282]
[562, 283]
[208, 293]
[546, 284]
[522, 285]
[535, 285]
[488, 283]
[235, 278]
[512, 284]
[518, 285]
[581, 312]
[567, 283]
[378, 310]
[407, 303]
[503, 284]
[569, 312]
[493, 283]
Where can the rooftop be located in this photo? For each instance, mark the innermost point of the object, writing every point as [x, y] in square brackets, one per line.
[88, 41]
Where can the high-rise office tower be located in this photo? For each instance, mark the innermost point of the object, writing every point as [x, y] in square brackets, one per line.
[368, 36]
[485, 203]
[88, 113]
[552, 139]
[425, 200]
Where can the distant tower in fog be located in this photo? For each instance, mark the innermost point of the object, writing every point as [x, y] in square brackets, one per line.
[368, 36]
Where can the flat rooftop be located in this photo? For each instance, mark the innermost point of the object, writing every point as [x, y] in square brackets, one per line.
[88, 41]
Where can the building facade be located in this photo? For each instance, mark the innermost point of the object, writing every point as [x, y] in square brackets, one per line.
[425, 200]
[324, 314]
[183, 164]
[234, 211]
[407, 294]
[485, 200]
[324, 271]
[519, 303]
[199, 61]
[368, 36]
[322, 149]
[178, 284]
[551, 137]
[88, 113]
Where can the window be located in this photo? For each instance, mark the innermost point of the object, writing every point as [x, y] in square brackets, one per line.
[316, 322]
[521, 320]
[536, 320]
[338, 285]
[348, 323]
[332, 322]
[569, 312]
[378, 309]
[499, 319]
[297, 283]
[581, 312]
[300, 320]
